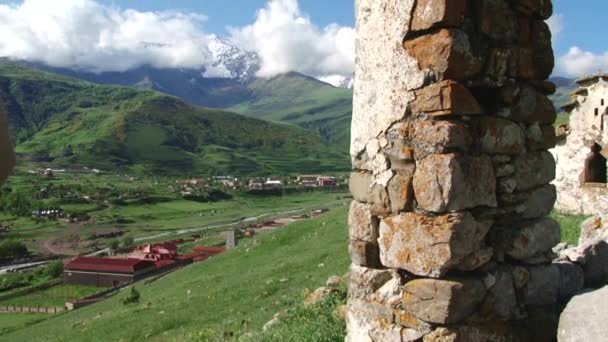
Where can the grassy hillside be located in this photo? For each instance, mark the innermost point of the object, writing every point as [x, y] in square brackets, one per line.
[111, 126]
[223, 298]
[303, 101]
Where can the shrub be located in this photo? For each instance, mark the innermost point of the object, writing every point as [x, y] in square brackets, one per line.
[132, 298]
[55, 269]
[113, 244]
[11, 249]
[127, 241]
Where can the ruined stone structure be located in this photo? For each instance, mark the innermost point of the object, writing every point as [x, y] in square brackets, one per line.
[449, 234]
[581, 157]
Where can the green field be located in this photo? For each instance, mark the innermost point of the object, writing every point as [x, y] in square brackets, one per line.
[225, 297]
[69, 121]
[13, 321]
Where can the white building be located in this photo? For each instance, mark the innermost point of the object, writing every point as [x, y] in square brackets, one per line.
[581, 156]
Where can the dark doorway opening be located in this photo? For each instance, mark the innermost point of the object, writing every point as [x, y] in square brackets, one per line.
[595, 166]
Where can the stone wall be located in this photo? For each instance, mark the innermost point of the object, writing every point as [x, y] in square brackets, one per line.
[588, 125]
[449, 234]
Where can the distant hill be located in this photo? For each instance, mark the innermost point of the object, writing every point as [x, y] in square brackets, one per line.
[564, 87]
[106, 126]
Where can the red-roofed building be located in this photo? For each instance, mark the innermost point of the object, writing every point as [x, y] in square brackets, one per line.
[105, 271]
[156, 252]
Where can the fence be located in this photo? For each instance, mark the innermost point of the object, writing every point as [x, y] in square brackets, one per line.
[32, 289]
[32, 309]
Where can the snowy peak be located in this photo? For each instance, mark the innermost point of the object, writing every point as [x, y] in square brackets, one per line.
[230, 61]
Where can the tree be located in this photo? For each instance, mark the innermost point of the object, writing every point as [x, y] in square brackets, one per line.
[113, 244]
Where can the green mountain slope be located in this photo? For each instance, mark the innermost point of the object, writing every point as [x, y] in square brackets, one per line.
[216, 300]
[301, 100]
[112, 126]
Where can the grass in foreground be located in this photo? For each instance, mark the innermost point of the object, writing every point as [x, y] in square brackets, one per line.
[227, 296]
[17, 320]
[570, 226]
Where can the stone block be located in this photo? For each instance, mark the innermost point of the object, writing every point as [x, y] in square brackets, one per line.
[407, 320]
[454, 182]
[361, 188]
[430, 246]
[499, 136]
[534, 238]
[445, 301]
[536, 203]
[540, 138]
[401, 191]
[366, 283]
[584, 318]
[534, 169]
[497, 20]
[595, 262]
[544, 58]
[501, 301]
[364, 253]
[543, 285]
[571, 279]
[542, 9]
[363, 226]
[445, 98]
[532, 106]
[437, 13]
[447, 53]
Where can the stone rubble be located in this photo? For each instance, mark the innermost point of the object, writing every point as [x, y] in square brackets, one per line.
[449, 234]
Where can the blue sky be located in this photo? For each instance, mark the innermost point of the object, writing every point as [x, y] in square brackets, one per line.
[102, 35]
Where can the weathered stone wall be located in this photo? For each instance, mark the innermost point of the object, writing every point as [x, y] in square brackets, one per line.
[585, 129]
[449, 234]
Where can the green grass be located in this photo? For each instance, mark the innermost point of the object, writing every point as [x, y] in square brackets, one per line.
[54, 296]
[233, 293]
[13, 321]
[570, 226]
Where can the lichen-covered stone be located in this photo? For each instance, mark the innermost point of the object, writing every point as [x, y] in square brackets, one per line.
[532, 106]
[384, 70]
[426, 137]
[453, 182]
[445, 98]
[362, 224]
[444, 301]
[501, 301]
[536, 203]
[401, 191]
[430, 246]
[534, 238]
[364, 253]
[438, 13]
[534, 169]
[447, 53]
[363, 190]
[499, 136]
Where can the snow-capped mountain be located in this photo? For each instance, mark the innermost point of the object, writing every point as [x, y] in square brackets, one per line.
[230, 61]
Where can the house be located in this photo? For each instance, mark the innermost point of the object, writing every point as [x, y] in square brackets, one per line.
[327, 181]
[155, 252]
[582, 150]
[273, 184]
[105, 272]
[308, 180]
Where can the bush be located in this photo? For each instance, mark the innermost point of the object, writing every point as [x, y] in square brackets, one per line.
[55, 269]
[11, 249]
[113, 244]
[127, 241]
[133, 297]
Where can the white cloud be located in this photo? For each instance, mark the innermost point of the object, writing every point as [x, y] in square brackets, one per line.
[84, 34]
[556, 24]
[577, 62]
[287, 40]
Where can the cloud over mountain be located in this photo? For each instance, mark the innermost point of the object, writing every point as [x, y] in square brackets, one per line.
[84, 34]
[287, 40]
[577, 62]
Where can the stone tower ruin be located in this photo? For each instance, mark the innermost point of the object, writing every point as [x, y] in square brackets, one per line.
[449, 234]
[581, 155]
